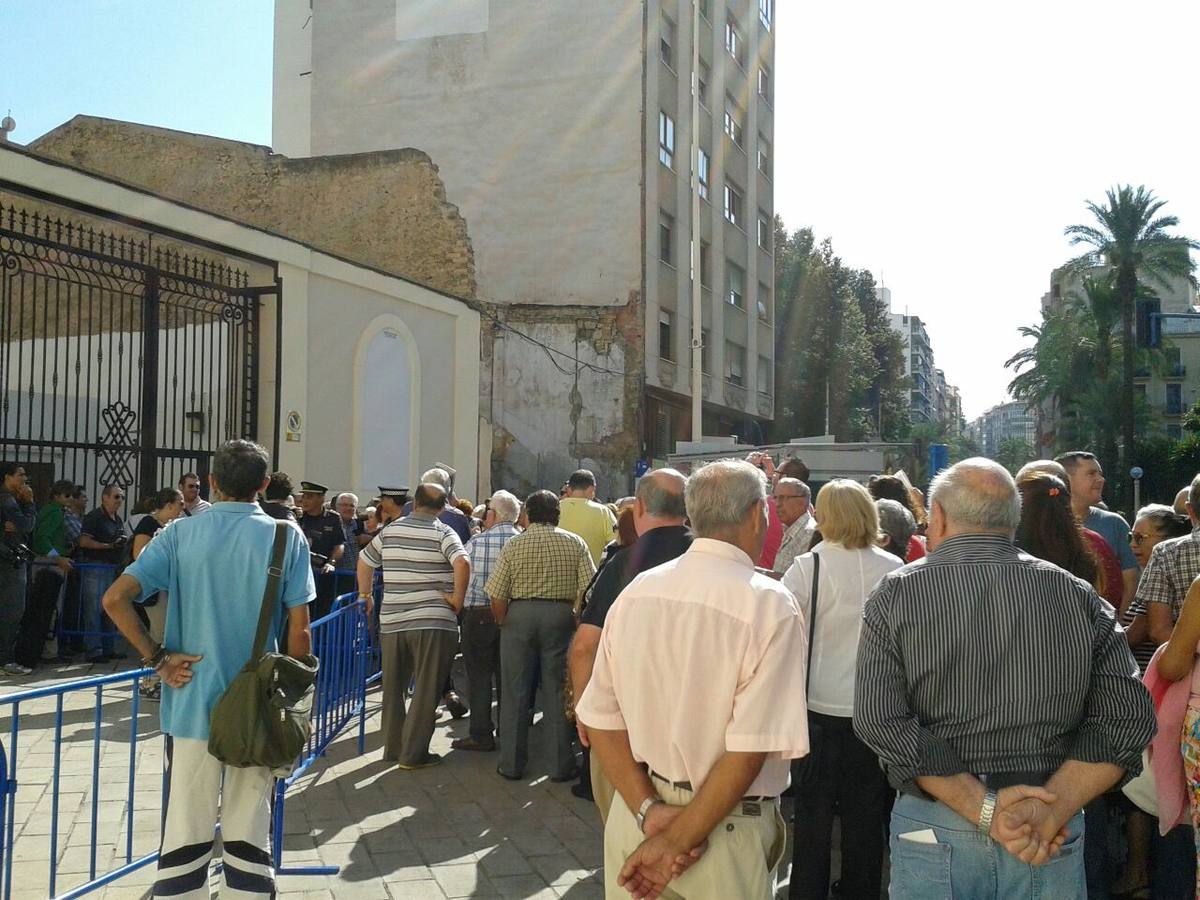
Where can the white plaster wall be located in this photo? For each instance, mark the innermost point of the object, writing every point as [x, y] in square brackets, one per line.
[291, 86]
[534, 125]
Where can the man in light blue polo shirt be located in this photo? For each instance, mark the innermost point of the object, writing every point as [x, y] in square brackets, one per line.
[214, 567]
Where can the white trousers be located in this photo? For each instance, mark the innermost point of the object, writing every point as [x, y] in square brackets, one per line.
[195, 799]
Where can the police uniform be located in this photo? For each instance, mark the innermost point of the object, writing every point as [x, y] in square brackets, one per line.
[325, 534]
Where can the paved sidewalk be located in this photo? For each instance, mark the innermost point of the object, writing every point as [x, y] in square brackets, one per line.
[454, 831]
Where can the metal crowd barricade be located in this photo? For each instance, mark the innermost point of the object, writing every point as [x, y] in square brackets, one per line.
[72, 617]
[342, 642]
[13, 763]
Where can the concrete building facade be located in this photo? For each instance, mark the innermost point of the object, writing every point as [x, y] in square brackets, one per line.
[1003, 422]
[562, 132]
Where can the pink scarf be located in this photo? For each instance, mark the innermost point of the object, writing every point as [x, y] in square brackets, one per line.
[1170, 706]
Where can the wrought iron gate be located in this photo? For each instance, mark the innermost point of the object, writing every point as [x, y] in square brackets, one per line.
[122, 361]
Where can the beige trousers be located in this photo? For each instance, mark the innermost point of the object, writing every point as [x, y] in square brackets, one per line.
[743, 851]
[602, 789]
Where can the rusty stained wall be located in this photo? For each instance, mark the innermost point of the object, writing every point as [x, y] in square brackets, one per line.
[551, 415]
[386, 209]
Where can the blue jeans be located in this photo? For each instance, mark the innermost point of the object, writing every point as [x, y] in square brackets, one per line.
[93, 582]
[965, 865]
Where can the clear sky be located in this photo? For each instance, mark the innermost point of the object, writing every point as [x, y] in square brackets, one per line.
[943, 145]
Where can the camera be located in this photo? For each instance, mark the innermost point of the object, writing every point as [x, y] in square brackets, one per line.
[15, 555]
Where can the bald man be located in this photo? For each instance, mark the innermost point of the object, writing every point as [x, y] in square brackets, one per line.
[658, 518]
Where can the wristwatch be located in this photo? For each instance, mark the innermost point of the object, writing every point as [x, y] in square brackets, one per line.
[642, 810]
[986, 812]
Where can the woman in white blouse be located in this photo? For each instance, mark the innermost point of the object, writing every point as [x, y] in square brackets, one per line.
[844, 775]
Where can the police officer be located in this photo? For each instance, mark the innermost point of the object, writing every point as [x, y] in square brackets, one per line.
[326, 543]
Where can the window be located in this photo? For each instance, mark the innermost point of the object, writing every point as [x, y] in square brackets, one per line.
[665, 348]
[764, 83]
[1174, 432]
[764, 231]
[705, 353]
[764, 302]
[735, 285]
[666, 231]
[703, 76]
[666, 42]
[734, 42]
[735, 363]
[706, 9]
[702, 166]
[733, 204]
[764, 376]
[1174, 399]
[666, 140]
[705, 264]
[764, 156]
[766, 13]
[733, 121]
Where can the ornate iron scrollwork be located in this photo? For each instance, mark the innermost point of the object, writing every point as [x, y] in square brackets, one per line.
[116, 447]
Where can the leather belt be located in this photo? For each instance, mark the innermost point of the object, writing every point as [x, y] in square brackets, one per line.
[542, 599]
[995, 781]
[687, 786]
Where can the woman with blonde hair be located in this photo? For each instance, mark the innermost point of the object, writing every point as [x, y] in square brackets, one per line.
[831, 584]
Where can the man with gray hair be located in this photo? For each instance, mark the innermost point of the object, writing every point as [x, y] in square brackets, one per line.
[1000, 696]
[683, 707]
[450, 514]
[659, 518]
[792, 498]
[480, 633]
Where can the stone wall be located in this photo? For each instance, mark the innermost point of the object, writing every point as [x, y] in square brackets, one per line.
[386, 209]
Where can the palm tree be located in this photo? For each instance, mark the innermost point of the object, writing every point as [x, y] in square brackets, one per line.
[1131, 239]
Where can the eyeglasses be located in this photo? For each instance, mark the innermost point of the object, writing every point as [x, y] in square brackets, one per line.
[781, 497]
[1138, 539]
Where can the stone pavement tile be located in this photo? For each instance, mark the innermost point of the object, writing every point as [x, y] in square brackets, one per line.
[401, 867]
[534, 840]
[443, 851]
[504, 859]
[523, 887]
[462, 881]
[559, 868]
[123, 891]
[417, 890]
[590, 853]
[583, 890]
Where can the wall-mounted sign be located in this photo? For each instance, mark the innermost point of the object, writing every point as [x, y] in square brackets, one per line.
[295, 426]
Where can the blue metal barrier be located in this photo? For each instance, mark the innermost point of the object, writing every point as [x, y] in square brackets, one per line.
[342, 642]
[72, 618]
[10, 771]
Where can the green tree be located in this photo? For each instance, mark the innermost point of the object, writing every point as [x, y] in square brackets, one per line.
[1013, 453]
[1134, 242]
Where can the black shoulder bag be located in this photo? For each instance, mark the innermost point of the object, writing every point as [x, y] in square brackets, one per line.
[804, 770]
[264, 716]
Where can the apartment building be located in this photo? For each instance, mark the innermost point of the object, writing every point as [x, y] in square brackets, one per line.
[563, 133]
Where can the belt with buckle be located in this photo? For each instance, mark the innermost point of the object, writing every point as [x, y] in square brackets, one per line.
[687, 786]
[996, 781]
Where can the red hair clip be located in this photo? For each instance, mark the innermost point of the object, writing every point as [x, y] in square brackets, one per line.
[1053, 492]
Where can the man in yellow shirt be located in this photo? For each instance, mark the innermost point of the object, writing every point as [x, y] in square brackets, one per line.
[582, 515]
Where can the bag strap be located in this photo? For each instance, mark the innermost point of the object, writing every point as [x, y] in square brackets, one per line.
[812, 616]
[271, 591]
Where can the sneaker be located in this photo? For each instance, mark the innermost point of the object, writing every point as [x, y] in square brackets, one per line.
[151, 692]
[431, 759]
[15, 668]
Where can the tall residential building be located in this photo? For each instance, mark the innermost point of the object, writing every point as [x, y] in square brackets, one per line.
[1169, 390]
[1002, 422]
[933, 399]
[563, 134]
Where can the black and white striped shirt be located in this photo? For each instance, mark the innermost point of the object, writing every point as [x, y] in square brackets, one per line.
[417, 554]
[983, 659]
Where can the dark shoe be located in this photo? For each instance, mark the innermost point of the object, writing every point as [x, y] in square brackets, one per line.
[503, 774]
[431, 759]
[569, 776]
[455, 706]
[469, 743]
[583, 792]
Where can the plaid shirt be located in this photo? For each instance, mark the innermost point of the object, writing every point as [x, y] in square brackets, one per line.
[483, 551]
[1173, 565]
[542, 562]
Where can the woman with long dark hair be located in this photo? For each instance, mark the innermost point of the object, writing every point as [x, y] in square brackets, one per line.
[1049, 529]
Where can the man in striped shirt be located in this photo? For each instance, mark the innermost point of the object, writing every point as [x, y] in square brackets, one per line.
[1000, 695]
[425, 573]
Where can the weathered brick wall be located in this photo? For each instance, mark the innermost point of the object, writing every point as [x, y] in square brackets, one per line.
[386, 209]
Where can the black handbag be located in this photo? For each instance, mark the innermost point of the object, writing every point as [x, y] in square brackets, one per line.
[805, 769]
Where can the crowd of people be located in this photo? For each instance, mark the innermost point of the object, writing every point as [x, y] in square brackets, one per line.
[962, 685]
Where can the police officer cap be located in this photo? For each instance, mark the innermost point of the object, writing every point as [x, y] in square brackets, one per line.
[399, 494]
[311, 487]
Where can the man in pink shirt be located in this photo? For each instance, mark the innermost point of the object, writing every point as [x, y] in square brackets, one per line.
[792, 467]
[696, 706]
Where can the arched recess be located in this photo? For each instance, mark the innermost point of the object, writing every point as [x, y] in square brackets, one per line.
[387, 406]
